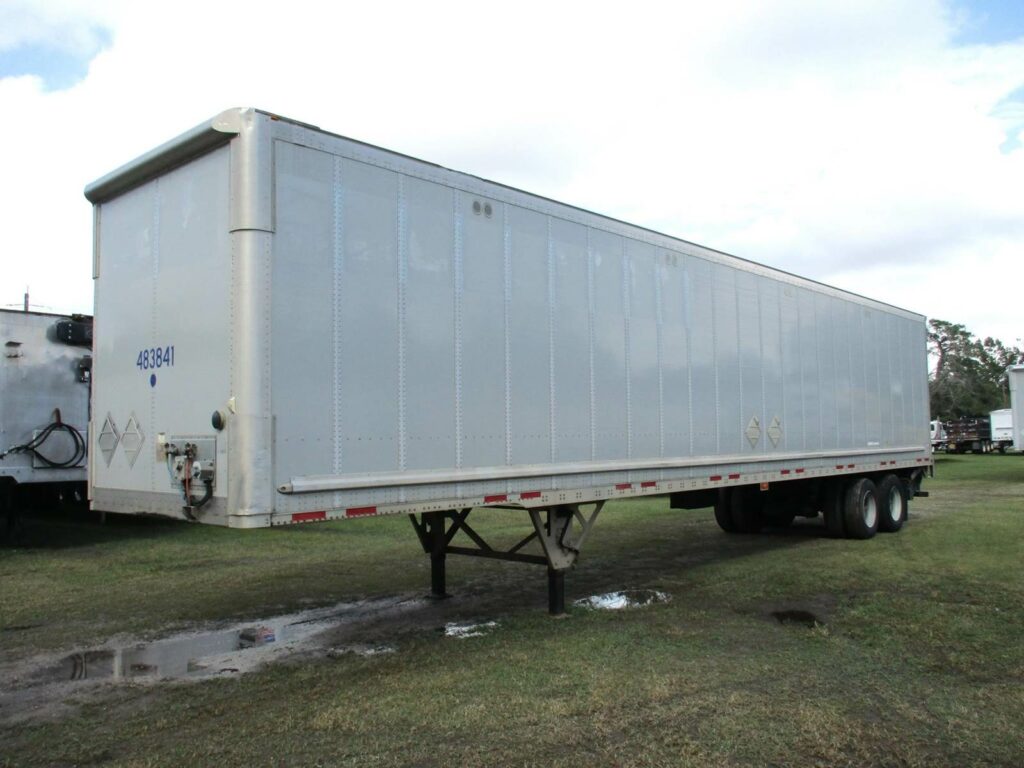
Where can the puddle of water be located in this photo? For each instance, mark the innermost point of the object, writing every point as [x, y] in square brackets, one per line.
[462, 630]
[798, 617]
[616, 601]
[236, 649]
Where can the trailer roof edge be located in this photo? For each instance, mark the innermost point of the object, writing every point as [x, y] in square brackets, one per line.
[208, 135]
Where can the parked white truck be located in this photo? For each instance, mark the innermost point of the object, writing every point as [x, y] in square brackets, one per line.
[1001, 423]
[294, 326]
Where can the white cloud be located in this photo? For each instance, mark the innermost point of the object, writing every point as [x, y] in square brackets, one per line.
[855, 145]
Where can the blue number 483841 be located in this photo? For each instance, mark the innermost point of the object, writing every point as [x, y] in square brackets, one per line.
[155, 357]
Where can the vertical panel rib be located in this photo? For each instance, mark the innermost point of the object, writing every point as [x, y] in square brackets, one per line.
[658, 271]
[338, 253]
[552, 295]
[741, 424]
[457, 279]
[688, 315]
[625, 331]
[714, 357]
[780, 295]
[507, 311]
[590, 341]
[403, 271]
[155, 245]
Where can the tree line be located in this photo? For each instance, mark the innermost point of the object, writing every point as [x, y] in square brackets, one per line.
[969, 378]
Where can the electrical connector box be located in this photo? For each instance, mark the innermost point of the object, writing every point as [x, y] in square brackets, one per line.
[195, 457]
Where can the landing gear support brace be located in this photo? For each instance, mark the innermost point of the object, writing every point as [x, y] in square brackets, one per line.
[561, 533]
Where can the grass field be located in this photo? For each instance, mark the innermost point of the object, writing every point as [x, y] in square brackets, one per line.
[917, 659]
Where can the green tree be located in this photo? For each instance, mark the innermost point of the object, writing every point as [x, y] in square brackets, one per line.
[970, 375]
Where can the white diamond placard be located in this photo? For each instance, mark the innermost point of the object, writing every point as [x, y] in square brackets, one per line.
[132, 440]
[753, 431]
[108, 439]
[775, 431]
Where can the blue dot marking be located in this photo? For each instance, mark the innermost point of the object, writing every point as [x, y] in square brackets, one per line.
[152, 379]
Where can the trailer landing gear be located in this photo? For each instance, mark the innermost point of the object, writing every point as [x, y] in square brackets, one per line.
[561, 533]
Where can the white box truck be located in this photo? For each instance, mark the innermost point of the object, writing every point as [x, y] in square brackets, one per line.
[294, 326]
[44, 407]
[1001, 422]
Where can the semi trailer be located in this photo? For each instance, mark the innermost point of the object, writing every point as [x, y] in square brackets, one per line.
[44, 407]
[294, 326]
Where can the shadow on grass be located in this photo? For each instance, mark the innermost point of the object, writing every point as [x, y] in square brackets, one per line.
[63, 527]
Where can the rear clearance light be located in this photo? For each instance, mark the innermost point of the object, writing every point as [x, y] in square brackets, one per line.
[360, 511]
[306, 517]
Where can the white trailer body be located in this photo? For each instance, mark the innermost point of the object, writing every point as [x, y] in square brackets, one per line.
[316, 328]
[1015, 374]
[1002, 428]
[41, 379]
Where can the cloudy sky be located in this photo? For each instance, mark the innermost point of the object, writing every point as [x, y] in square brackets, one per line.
[876, 145]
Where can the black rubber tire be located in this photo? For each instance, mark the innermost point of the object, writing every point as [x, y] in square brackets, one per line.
[891, 490]
[860, 509]
[832, 507]
[747, 504]
[723, 511]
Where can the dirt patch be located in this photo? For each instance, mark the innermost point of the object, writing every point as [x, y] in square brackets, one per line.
[798, 617]
[813, 612]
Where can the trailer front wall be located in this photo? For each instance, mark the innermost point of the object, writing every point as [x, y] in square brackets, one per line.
[163, 292]
[420, 324]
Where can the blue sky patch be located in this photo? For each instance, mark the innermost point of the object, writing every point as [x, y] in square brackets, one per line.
[57, 66]
[1011, 111]
[987, 22]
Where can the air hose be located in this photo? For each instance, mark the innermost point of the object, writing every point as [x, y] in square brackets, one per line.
[33, 445]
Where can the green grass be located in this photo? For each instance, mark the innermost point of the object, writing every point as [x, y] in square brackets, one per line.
[920, 661]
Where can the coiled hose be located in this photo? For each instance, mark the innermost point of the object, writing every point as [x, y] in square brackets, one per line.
[33, 445]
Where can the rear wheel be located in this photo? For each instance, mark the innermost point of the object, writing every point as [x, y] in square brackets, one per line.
[860, 509]
[747, 504]
[723, 511]
[892, 504]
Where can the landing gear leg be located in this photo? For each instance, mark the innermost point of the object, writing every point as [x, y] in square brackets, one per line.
[558, 537]
[438, 553]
